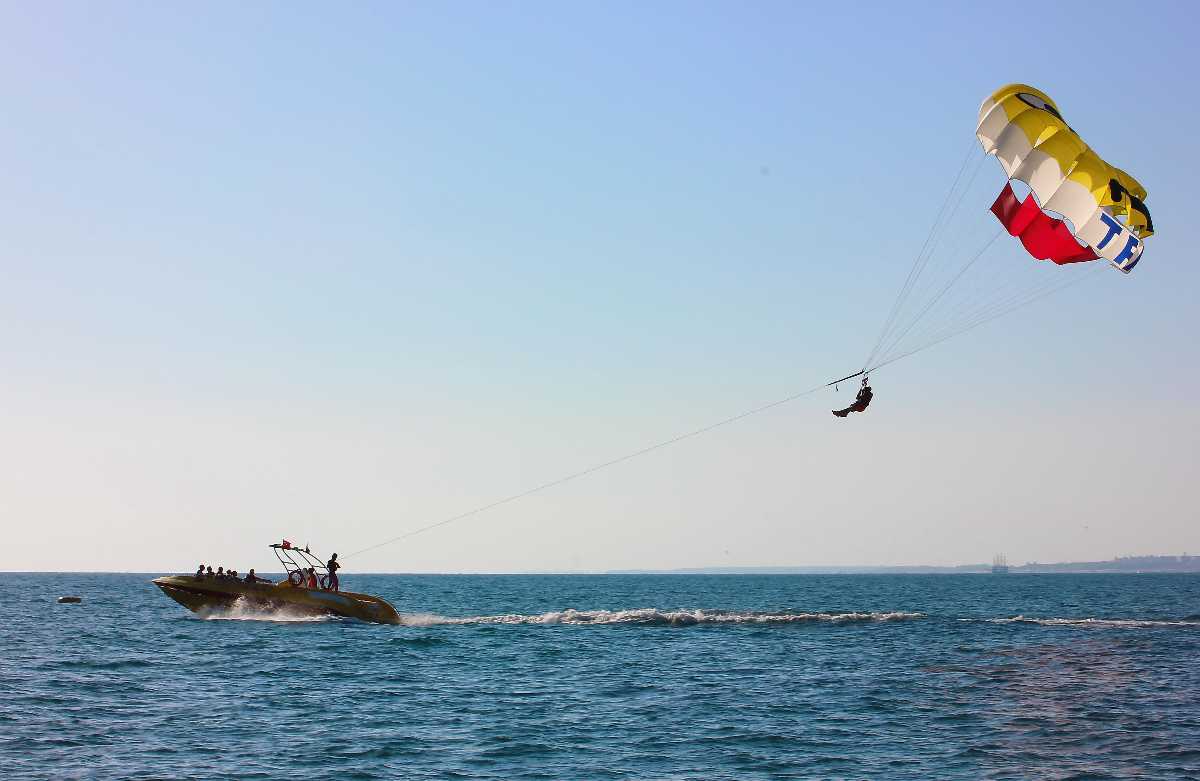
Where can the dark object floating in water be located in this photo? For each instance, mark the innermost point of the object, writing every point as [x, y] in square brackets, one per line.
[69, 600]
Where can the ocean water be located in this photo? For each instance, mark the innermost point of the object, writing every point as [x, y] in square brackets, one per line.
[613, 677]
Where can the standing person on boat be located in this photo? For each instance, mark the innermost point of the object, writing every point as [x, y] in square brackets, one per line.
[333, 567]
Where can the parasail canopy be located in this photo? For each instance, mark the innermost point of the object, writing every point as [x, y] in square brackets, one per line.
[1103, 207]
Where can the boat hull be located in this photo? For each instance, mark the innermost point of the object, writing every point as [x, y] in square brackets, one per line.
[213, 595]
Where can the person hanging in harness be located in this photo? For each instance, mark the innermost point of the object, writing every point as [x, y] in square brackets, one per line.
[861, 401]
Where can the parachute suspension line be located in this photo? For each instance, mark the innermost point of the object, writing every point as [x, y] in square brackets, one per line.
[895, 341]
[998, 303]
[993, 292]
[918, 264]
[598, 467]
[1019, 300]
[935, 262]
[984, 319]
[933, 270]
[989, 285]
[1013, 304]
[921, 258]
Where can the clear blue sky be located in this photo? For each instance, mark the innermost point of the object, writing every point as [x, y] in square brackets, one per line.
[334, 272]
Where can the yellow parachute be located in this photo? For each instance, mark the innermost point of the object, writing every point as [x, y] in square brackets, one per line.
[1023, 128]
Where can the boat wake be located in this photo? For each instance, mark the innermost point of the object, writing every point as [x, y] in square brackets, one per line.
[245, 611]
[654, 617]
[1097, 623]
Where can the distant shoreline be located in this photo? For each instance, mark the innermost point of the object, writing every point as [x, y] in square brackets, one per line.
[1127, 564]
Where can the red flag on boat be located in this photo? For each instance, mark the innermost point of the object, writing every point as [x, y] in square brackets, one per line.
[286, 545]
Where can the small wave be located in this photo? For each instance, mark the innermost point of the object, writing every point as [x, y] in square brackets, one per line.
[423, 641]
[654, 617]
[108, 665]
[1099, 623]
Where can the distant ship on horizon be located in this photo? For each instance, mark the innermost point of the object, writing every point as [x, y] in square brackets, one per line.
[1000, 564]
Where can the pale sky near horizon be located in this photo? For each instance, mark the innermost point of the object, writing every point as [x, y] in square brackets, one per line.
[335, 272]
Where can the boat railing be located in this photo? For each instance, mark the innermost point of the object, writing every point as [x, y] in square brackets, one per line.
[299, 560]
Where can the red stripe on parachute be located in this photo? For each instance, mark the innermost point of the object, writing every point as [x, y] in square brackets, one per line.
[1044, 237]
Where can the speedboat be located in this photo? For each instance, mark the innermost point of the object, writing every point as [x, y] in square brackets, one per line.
[210, 594]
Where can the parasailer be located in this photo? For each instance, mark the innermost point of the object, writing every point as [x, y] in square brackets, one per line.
[1078, 208]
[1062, 201]
[861, 401]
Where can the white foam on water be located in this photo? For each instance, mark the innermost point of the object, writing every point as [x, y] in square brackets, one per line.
[655, 617]
[1099, 623]
[422, 619]
[241, 610]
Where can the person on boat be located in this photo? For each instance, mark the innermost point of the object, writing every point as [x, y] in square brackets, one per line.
[221, 572]
[208, 573]
[861, 401]
[333, 566]
[312, 578]
[252, 578]
[200, 571]
[233, 574]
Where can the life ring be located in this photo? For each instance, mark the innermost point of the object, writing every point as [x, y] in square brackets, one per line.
[296, 578]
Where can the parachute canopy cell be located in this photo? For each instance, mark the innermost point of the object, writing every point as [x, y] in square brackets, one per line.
[1103, 205]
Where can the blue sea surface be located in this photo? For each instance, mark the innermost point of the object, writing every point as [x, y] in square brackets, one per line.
[613, 677]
